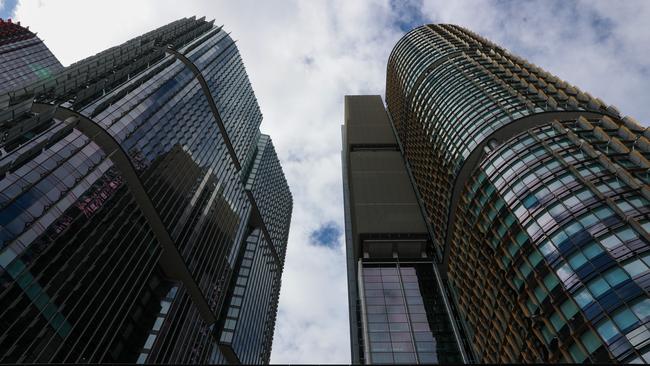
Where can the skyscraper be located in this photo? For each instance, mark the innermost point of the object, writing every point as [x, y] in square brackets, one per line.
[535, 197]
[23, 57]
[144, 217]
[397, 313]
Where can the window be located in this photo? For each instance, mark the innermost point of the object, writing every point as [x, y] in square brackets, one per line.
[559, 238]
[626, 234]
[534, 258]
[588, 220]
[642, 308]
[615, 276]
[382, 357]
[564, 272]
[607, 330]
[550, 281]
[573, 228]
[624, 206]
[530, 201]
[598, 286]
[576, 353]
[624, 318]
[380, 347]
[149, 343]
[583, 298]
[547, 249]
[540, 294]
[569, 309]
[548, 336]
[634, 267]
[525, 269]
[604, 212]
[557, 321]
[577, 259]
[592, 250]
[379, 337]
[590, 341]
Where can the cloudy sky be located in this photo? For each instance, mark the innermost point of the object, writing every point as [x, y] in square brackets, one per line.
[303, 56]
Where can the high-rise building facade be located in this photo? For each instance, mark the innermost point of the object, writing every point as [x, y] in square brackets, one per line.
[397, 313]
[143, 216]
[24, 58]
[535, 196]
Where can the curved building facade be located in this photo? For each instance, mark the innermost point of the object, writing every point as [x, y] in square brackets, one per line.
[24, 58]
[136, 220]
[535, 195]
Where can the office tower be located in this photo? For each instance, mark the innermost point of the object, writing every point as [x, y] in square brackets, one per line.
[535, 196]
[23, 57]
[144, 217]
[397, 313]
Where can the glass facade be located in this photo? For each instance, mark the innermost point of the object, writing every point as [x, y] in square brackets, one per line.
[24, 58]
[536, 197]
[447, 90]
[405, 319]
[399, 309]
[568, 234]
[126, 218]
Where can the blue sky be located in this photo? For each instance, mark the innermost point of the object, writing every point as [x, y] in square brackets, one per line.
[328, 235]
[303, 56]
[7, 8]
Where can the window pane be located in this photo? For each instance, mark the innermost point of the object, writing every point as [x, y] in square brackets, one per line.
[399, 327]
[569, 309]
[583, 298]
[598, 286]
[615, 276]
[635, 267]
[624, 318]
[380, 346]
[557, 321]
[397, 318]
[379, 337]
[592, 250]
[576, 353]
[534, 258]
[590, 341]
[607, 330]
[540, 294]
[550, 281]
[377, 327]
[564, 272]
[627, 234]
[425, 347]
[642, 308]
[423, 336]
[610, 242]
[577, 260]
[402, 347]
[400, 337]
[404, 358]
[382, 357]
[377, 318]
[426, 357]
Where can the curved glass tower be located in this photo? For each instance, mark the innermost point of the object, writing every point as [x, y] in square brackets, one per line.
[143, 216]
[536, 194]
[536, 199]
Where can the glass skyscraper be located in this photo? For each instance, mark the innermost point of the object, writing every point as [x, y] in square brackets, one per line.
[23, 57]
[143, 216]
[535, 199]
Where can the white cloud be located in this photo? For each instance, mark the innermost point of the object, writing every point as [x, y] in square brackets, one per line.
[303, 56]
[601, 47]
